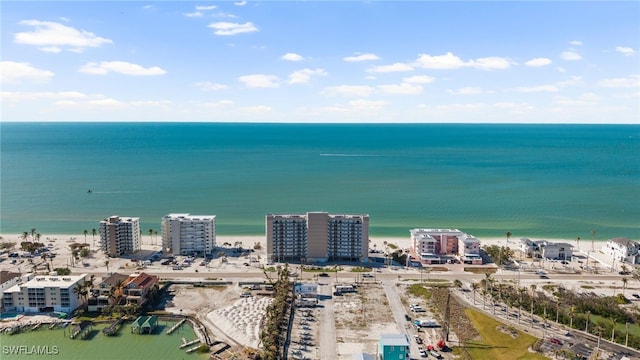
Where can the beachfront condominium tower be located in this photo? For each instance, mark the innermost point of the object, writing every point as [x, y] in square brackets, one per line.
[317, 237]
[120, 235]
[185, 234]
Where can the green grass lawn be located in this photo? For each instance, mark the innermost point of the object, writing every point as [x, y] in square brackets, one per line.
[620, 328]
[498, 345]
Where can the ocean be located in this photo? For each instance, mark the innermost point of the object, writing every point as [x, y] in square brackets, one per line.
[537, 181]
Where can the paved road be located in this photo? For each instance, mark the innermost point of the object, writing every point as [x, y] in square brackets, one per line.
[327, 339]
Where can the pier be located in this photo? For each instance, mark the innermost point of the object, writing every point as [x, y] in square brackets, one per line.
[113, 328]
[189, 343]
[176, 326]
[81, 329]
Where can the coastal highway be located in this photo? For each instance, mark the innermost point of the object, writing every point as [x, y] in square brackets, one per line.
[347, 277]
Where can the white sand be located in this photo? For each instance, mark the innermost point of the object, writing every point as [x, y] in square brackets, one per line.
[241, 320]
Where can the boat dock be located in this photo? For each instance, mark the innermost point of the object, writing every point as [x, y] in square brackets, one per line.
[113, 328]
[193, 349]
[189, 343]
[176, 326]
[82, 329]
[145, 324]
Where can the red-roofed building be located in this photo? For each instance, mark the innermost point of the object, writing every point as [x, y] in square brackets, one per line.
[138, 286]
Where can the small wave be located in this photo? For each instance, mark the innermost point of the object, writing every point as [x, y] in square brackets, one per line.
[115, 192]
[352, 155]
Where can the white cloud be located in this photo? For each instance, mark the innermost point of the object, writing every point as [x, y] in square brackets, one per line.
[539, 88]
[258, 109]
[303, 76]
[450, 61]
[404, 88]
[361, 57]
[120, 67]
[16, 72]
[53, 37]
[588, 99]
[229, 28]
[397, 67]
[447, 61]
[107, 103]
[209, 86]
[570, 55]
[575, 42]
[205, 7]
[536, 62]
[490, 63]
[367, 105]
[292, 57]
[468, 90]
[31, 96]
[349, 90]
[260, 81]
[218, 104]
[627, 51]
[419, 79]
[194, 14]
[631, 81]
[240, 3]
[572, 81]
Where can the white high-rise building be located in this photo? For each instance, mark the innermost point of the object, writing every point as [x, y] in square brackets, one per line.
[185, 234]
[120, 235]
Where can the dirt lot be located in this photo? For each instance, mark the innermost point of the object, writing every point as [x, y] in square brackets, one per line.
[360, 319]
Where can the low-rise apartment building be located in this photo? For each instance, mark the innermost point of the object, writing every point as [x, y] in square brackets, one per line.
[317, 237]
[623, 250]
[120, 235]
[185, 234]
[431, 244]
[545, 249]
[45, 294]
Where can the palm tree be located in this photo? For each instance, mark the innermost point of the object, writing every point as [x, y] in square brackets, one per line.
[106, 263]
[508, 233]
[151, 234]
[33, 234]
[533, 294]
[474, 287]
[624, 284]
[521, 290]
[94, 232]
[572, 313]
[578, 242]
[86, 232]
[593, 238]
[586, 327]
[25, 235]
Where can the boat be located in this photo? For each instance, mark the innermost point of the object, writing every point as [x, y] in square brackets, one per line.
[89, 191]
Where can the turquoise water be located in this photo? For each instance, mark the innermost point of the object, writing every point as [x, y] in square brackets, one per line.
[56, 344]
[554, 181]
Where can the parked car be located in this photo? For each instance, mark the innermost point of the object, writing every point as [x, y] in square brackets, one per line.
[407, 317]
[323, 275]
[418, 339]
[555, 341]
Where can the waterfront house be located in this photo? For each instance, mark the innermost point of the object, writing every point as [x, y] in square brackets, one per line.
[623, 250]
[106, 292]
[545, 249]
[44, 294]
[137, 288]
[393, 346]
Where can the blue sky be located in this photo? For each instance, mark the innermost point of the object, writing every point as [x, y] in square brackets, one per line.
[321, 61]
